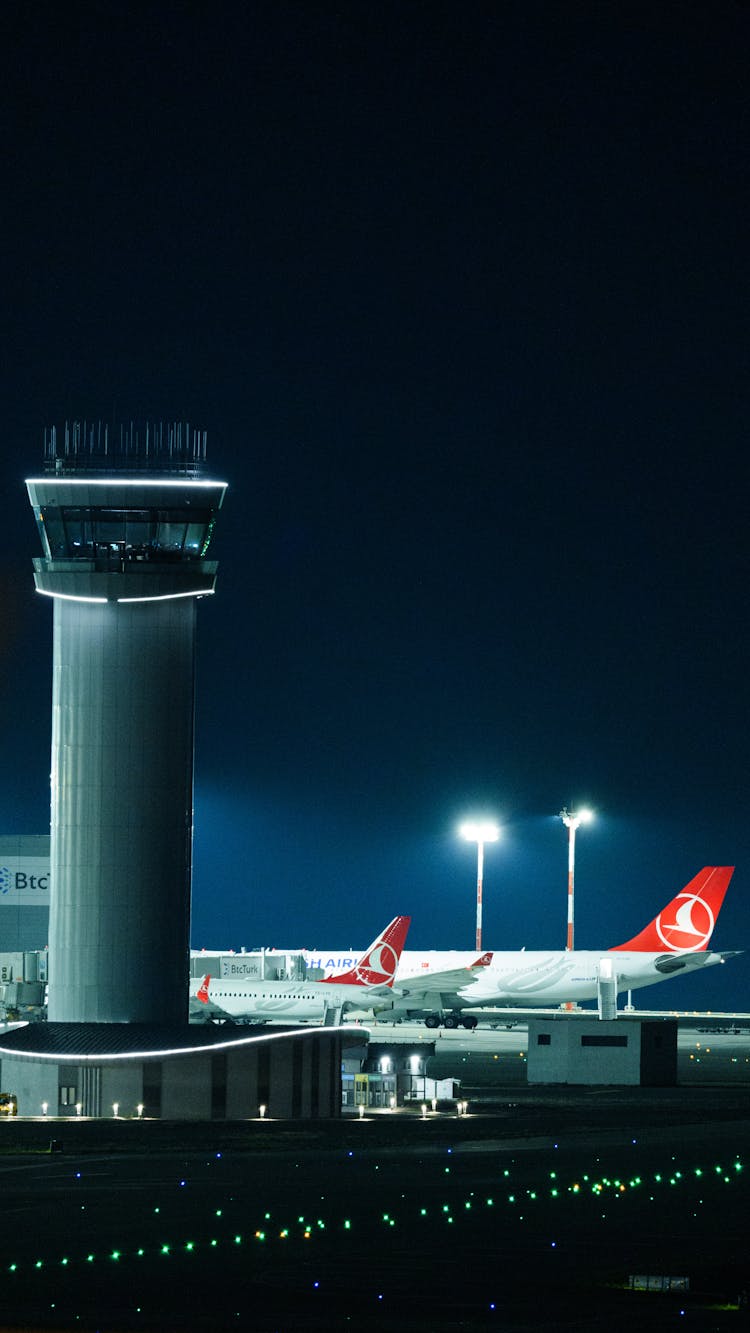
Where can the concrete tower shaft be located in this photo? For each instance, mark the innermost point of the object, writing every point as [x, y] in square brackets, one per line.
[124, 561]
[121, 810]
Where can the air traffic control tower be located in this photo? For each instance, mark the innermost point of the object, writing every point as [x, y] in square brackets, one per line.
[125, 527]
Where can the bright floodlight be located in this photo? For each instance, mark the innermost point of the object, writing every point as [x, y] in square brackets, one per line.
[479, 831]
[574, 818]
[482, 831]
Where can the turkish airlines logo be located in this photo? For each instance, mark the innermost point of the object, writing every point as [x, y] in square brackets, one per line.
[379, 967]
[686, 924]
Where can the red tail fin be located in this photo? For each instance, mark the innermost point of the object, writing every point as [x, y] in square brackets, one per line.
[377, 967]
[686, 924]
[202, 992]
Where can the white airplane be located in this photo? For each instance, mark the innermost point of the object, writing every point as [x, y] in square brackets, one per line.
[365, 986]
[673, 944]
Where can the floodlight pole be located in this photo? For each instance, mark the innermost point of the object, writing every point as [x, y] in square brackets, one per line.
[480, 873]
[572, 826]
[572, 822]
[480, 833]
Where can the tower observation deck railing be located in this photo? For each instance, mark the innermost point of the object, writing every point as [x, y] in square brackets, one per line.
[139, 448]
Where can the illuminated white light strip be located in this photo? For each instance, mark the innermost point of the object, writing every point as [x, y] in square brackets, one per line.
[119, 481]
[177, 1050]
[69, 596]
[162, 597]
[170, 596]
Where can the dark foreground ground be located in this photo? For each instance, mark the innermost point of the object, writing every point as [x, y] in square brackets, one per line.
[533, 1212]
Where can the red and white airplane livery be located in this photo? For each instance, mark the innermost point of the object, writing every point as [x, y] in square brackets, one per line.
[451, 987]
[366, 985]
[673, 944]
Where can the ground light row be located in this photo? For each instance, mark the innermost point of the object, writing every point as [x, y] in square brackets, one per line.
[448, 1212]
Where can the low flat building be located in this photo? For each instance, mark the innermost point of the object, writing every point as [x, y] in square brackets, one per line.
[584, 1049]
[173, 1073]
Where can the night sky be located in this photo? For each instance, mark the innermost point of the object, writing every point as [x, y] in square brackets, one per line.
[460, 294]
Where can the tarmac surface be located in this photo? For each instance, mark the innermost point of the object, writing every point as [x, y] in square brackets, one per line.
[536, 1210]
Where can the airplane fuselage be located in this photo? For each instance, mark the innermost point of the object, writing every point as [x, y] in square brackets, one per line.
[533, 977]
[556, 977]
[297, 1002]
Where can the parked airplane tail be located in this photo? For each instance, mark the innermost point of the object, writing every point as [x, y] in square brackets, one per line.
[377, 966]
[686, 924]
[202, 992]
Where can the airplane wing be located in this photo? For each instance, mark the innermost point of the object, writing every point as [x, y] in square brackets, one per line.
[363, 997]
[441, 980]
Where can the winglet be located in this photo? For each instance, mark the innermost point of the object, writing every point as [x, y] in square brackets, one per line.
[377, 966]
[686, 924]
[484, 961]
[202, 992]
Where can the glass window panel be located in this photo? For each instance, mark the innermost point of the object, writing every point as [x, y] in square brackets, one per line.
[77, 538]
[196, 534]
[52, 529]
[171, 536]
[109, 533]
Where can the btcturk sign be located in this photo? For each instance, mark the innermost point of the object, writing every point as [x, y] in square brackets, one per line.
[24, 882]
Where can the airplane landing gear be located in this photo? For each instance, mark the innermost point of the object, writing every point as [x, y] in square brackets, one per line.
[450, 1021]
